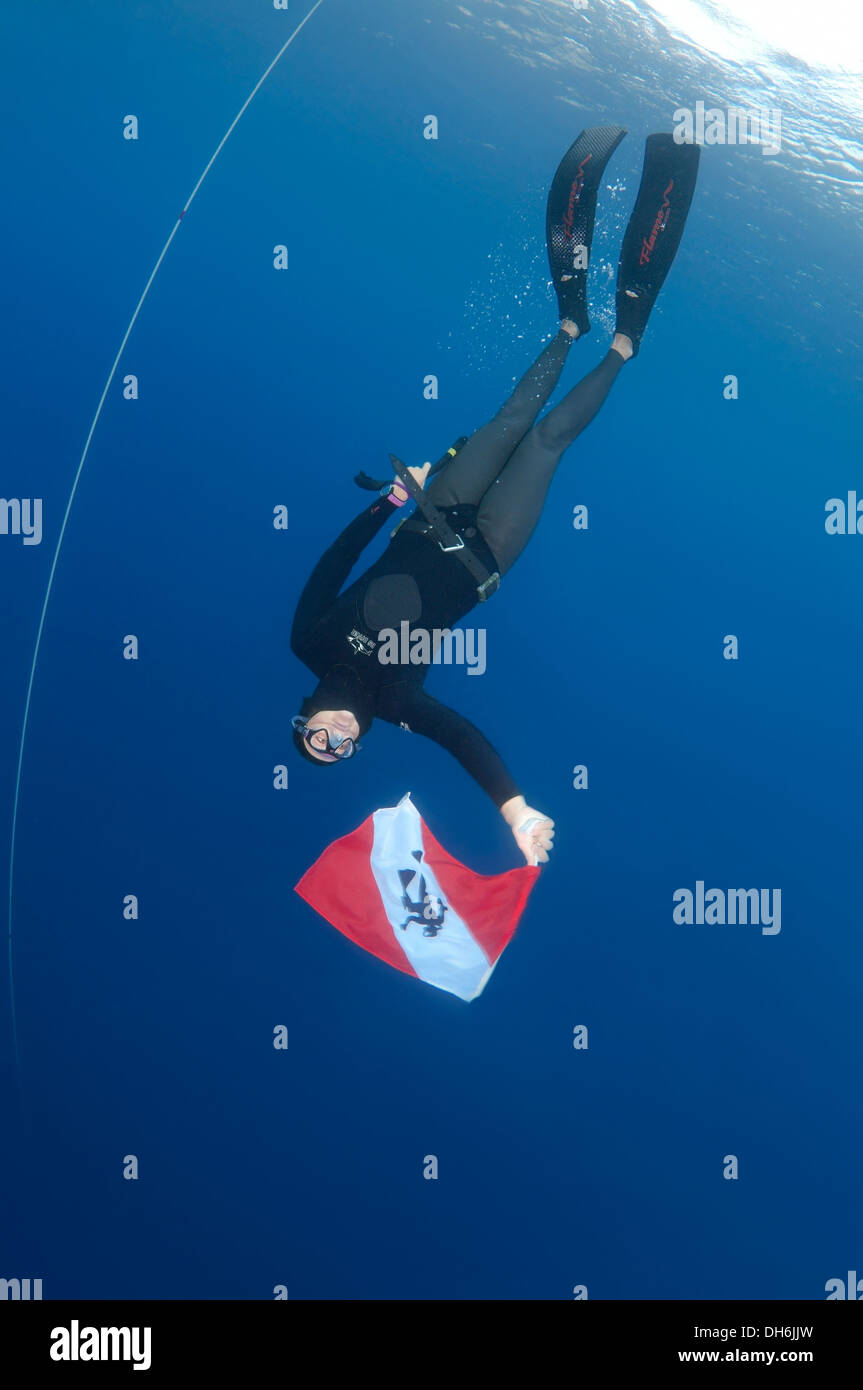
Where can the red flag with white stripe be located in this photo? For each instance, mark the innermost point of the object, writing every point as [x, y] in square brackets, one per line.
[395, 891]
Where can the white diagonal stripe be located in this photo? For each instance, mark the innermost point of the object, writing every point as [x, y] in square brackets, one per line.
[453, 960]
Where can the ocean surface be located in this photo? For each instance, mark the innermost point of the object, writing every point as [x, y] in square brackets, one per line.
[606, 1168]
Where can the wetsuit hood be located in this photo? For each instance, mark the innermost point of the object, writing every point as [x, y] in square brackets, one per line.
[342, 688]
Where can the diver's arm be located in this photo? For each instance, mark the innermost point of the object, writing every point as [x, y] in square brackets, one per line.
[513, 809]
[533, 832]
[334, 566]
[336, 563]
[427, 716]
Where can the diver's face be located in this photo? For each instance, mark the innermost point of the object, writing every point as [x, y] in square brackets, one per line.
[338, 723]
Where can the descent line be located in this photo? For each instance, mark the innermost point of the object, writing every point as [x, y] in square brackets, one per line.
[111, 374]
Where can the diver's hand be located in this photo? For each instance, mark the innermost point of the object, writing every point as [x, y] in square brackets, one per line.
[535, 836]
[419, 476]
[533, 832]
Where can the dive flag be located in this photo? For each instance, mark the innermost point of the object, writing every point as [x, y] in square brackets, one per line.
[396, 892]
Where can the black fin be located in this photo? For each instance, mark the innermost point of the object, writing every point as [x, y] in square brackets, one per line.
[448, 456]
[370, 484]
[655, 228]
[570, 215]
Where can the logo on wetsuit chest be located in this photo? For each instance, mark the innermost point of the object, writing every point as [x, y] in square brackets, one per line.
[428, 910]
[360, 642]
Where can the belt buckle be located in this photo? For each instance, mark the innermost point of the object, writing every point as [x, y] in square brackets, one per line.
[459, 545]
[488, 587]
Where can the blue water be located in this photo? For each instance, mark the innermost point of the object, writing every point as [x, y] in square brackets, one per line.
[153, 1037]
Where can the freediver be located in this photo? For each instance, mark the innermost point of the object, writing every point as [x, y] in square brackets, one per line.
[477, 516]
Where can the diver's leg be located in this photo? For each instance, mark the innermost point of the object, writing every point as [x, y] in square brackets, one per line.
[510, 510]
[478, 463]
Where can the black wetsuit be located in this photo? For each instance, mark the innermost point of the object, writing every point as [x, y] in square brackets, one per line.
[413, 580]
[492, 495]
